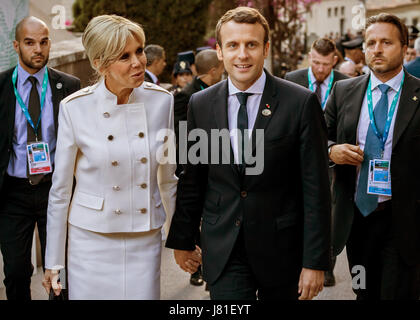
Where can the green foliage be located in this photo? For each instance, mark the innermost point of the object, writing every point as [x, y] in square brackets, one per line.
[176, 25]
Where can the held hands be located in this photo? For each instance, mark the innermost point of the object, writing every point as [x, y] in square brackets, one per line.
[188, 260]
[51, 280]
[346, 154]
[311, 283]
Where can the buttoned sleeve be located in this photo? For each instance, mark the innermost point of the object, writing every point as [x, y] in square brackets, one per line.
[61, 190]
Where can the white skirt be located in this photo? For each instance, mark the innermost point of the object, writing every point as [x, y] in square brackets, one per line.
[113, 266]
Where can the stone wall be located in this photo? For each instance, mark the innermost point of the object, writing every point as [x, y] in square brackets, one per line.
[69, 56]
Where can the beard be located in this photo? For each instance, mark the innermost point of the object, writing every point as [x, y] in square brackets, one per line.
[28, 61]
[386, 66]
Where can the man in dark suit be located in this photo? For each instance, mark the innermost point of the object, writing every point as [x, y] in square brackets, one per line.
[266, 213]
[24, 196]
[156, 63]
[320, 78]
[373, 128]
[413, 67]
[210, 71]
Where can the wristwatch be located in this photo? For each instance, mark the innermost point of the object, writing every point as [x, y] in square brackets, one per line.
[329, 150]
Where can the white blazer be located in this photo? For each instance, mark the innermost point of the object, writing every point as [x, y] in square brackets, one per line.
[115, 152]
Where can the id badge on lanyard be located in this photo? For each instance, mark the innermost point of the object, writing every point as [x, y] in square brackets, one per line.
[39, 161]
[379, 179]
[379, 175]
[38, 153]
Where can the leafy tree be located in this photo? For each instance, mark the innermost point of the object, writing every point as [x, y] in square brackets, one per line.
[176, 25]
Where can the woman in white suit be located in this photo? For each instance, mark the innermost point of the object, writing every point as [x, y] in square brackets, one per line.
[112, 138]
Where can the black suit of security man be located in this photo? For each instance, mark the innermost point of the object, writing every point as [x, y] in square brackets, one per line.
[23, 205]
[301, 77]
[400, 223]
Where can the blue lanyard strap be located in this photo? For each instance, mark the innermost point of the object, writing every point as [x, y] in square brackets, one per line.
[22, 104]
[311, 87]
[383, 137]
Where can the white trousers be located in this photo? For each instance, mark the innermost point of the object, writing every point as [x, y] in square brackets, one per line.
[113, 266]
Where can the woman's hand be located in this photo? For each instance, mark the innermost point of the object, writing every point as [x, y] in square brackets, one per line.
[51, 280]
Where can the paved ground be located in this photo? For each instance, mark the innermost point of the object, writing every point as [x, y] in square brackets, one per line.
[175, 283]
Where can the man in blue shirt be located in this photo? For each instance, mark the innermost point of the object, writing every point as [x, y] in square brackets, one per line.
[30, 96]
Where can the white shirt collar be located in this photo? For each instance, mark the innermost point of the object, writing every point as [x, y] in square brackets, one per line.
[154, 78]
[394, 83]
[313, 79]
[256, 88]
[348, 59]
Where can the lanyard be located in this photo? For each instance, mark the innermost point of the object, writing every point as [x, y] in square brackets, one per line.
[384, 137]
[23, 106]
[311, 87]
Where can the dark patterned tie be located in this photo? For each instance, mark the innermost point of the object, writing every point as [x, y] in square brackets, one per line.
[34, 109]
[242, 125]
[318, 91]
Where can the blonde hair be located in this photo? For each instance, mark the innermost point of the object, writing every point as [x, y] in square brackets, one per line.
[105, 38]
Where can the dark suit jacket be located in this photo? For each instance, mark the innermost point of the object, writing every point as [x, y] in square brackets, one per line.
[301, 77]
[342, 116]
[284, 211]
[69, 83]
[147, 77]
[413, 67]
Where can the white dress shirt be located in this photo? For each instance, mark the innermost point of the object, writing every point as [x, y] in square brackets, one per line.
[324, 84]
[364, 120]
[252, 106]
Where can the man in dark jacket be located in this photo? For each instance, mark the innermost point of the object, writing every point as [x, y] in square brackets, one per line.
[320, 78]
[29, 91]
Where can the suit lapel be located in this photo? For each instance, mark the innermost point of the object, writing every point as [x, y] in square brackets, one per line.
[406, 107]
[352, 111]
[57, 91]
[304, 80]
[220, 110]
[220, 106]
[10, 104]
[268, 101]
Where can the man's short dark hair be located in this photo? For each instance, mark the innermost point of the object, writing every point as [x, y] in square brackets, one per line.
[243, 15]
[206, 60]
[323, 46]
[153, 52]
[392, 19]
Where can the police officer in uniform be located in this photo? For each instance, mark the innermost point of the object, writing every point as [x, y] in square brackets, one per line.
[182, 76]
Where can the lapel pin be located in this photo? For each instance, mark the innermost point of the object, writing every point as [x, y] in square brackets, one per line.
[415, 98]
[59, 85]
[266, 112]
